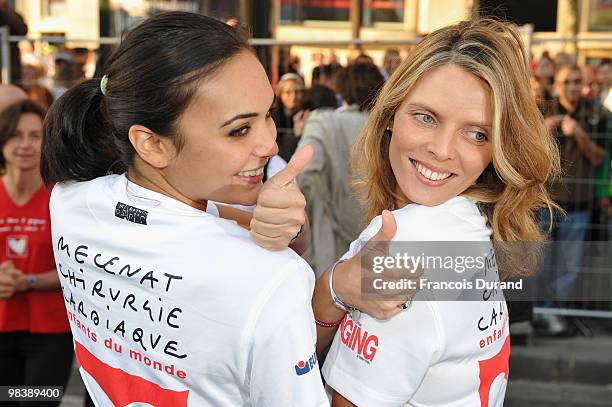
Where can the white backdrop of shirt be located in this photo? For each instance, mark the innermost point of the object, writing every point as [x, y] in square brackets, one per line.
[172, 306]
[436, 353]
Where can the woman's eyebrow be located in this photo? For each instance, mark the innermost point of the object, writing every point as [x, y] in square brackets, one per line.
[238, 117]
[480, 124]
[423, 106]
[246, 115]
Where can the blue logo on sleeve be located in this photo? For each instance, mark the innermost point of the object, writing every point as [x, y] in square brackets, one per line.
[305, 366]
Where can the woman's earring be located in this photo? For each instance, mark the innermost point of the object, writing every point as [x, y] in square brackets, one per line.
[388, 132]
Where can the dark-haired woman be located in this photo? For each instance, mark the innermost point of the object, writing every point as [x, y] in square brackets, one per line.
[35, 342]
[168, 304]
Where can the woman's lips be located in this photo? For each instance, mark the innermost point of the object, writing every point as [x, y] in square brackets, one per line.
[253, 180]
[427, 181]
[252, 176]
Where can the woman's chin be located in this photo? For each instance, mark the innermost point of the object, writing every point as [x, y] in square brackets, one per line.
[245, 198]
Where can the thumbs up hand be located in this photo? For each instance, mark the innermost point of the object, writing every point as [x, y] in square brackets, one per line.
[280, 211]
[348, 275]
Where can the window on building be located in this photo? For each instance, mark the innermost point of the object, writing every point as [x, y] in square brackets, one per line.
[382, 11]
[373, 11]
[157, 6]
[298, 11]
[600, 15]
[541, 13]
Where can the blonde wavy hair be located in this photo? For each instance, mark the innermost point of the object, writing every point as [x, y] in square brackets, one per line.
[512, 189]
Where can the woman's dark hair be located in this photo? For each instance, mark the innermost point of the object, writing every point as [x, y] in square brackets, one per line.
[9, 118]
[152, 77]
[319, 96]
[359, 84]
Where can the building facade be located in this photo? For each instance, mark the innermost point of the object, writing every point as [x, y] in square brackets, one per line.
[582, 28]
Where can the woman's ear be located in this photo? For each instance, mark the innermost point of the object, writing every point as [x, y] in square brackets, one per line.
[153, 149]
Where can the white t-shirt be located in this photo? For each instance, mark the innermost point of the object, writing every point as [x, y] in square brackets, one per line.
[172, 306]
[275, 165]
[436, 353]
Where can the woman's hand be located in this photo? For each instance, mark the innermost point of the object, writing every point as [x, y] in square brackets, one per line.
[348, 275]
[553, 122]
[12, 280]
[346, 282]
[7, 286]
[569, 126]
[594, 153]
[280, 213]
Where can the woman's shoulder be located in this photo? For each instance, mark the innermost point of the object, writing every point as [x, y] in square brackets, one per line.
[69, 187]
[71, 193]
[325, 115]
[456, 207]
[456, 219]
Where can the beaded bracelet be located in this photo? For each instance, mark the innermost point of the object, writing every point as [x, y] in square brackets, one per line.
[328, 324]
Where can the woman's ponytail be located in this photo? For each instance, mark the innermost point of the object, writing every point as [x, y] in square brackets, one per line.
[78, 142]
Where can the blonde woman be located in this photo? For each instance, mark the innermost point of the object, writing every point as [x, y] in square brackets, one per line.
[455, 146]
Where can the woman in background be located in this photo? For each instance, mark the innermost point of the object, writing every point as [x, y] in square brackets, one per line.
[35, 340]
[289, 93]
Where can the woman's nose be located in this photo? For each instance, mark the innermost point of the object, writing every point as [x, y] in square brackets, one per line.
[442, 144]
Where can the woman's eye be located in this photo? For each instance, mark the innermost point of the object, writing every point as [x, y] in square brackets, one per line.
[424, 118]
[478, 136]
[240, 132]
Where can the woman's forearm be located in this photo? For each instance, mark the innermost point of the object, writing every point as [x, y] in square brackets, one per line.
[47, 281]
[326, 311]
[339, 401]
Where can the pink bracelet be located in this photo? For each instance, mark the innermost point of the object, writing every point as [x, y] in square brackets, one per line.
[328, 324]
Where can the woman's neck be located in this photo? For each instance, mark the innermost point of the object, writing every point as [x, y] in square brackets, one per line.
[22, 184]
[142, 175]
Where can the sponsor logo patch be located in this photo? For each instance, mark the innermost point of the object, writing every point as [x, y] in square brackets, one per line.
[131, 214]
[305, 366]
[359, 341]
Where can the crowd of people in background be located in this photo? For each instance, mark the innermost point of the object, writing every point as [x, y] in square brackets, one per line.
[575, 102]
